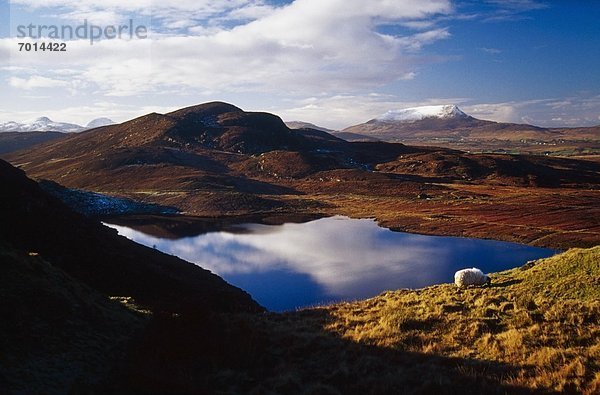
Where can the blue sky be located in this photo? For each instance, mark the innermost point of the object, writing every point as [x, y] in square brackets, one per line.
[331, 62]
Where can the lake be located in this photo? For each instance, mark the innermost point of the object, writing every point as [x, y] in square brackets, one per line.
[295, 265]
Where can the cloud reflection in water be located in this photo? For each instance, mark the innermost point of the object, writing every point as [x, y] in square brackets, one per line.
[334, 258]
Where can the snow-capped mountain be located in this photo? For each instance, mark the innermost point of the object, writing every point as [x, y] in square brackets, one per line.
[96, 123]
[42, 124]
[45, 124]
[439, 123]
[419, 113]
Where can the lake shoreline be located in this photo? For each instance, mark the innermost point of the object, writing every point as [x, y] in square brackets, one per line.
[291, 265]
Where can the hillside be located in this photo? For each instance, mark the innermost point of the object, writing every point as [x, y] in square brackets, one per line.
[53, 327]
[216, 160]
[15, 141]
[34, 221]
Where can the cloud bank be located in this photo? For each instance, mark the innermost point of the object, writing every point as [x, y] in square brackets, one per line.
[237, 46]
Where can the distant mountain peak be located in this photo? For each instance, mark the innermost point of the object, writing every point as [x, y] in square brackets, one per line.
[412, 114]
[96, 123]
[40, 124]
[43, 120]
[305, 125]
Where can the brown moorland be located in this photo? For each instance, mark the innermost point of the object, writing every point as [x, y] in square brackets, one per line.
[215, 160]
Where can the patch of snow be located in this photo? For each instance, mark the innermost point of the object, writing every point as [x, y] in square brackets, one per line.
[93, 203]
[419, 113]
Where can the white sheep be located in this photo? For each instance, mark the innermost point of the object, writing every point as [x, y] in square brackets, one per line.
[473, 276]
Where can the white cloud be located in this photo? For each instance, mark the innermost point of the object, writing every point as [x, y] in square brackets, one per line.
[36, 81]
[580, 110]
[332, 46]
[493, 51]
[499, 112]
[259, 56]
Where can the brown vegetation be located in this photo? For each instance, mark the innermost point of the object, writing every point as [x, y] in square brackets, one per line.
[216, 160]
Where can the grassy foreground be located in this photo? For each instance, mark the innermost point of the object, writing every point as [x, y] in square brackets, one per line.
[542, 319]
[535, 330]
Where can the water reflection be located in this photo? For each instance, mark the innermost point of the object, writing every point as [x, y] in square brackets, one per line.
[336, 258]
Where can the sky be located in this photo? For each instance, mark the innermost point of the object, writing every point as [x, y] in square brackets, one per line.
[334, 63]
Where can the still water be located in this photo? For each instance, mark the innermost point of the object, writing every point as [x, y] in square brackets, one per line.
[295, 265]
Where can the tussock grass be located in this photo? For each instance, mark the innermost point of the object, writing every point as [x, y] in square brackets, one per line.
[541, 319]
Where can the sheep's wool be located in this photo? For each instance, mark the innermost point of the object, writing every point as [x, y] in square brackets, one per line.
[466, 277]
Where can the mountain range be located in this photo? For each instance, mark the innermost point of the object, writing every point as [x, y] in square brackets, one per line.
[45, 124]
[435, 125]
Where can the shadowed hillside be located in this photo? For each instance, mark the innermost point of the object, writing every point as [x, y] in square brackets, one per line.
[15, 141]
[57, 334]
[34, 221]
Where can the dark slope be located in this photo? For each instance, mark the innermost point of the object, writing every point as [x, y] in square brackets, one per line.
[57, 335]
[517, 170]
[33, 221]
[15, 141]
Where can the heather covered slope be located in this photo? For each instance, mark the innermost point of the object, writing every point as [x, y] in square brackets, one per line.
[15, 141]
[33, 221]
